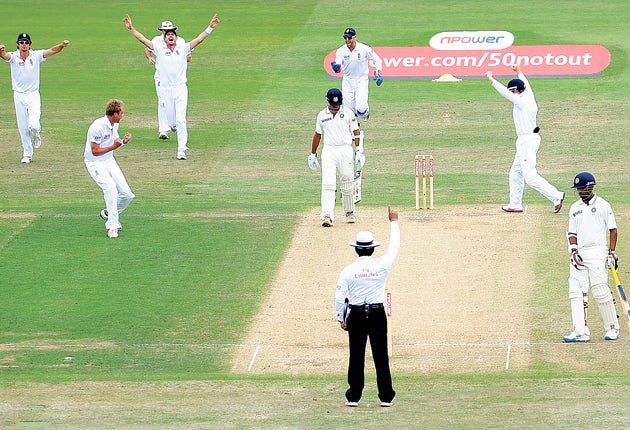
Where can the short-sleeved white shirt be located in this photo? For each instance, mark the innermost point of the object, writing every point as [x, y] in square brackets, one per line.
[591, 222]
[103, 132]
[355, 63]
[25, 73]
[171, 66]
[157, 41]
[337, 130]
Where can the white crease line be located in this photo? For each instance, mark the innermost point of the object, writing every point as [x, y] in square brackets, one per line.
[251, 363]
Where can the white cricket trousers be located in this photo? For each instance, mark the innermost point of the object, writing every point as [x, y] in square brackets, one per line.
[175, 100]
[335, 159]
[116, 191]
[355, 94]
[523, 171]
[28, 111]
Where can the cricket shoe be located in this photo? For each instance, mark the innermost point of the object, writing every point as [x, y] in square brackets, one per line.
[181, 155]
[163, 136]
[387, 404]
[352, 404]
[350, 218]
[511, 210]
[576, 337]
[112, 233]
[611, 334]
[104, 214]
[26, 159]
[327, 222]
[558, 204]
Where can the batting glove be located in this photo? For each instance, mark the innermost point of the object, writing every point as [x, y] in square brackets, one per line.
[359, 159]
[378, 78]
[313, 164]
[336, 66]
[612, 260]
[576, 260]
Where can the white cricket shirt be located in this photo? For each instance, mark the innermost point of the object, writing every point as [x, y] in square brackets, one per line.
[525, 108]
[337, 130]
[103, 132]
[25, 73]
[591, 222]
[355, 63]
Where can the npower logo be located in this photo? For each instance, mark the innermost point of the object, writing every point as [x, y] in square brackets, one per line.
[471, 40]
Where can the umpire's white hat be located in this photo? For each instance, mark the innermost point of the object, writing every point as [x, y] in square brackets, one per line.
[365, 239]
[167, 25]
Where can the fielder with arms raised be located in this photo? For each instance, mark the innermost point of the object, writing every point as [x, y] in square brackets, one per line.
[340, 130]
[171, 65]
[590, 219]
[523, 170]
[363, 284]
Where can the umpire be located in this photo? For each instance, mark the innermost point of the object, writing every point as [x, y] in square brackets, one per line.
[360, 311]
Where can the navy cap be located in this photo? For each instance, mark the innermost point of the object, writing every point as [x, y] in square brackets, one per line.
[24, 36]
[349, 32]
[516, 84]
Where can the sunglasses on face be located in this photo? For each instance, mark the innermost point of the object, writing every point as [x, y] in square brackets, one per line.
[348, 37]
[24, 42]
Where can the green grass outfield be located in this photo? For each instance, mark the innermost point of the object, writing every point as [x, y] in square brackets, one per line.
[203, 238]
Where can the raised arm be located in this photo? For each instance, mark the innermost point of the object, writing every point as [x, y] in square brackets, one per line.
[4, 54]
[146, 42]
[56, 49]
[197, 40]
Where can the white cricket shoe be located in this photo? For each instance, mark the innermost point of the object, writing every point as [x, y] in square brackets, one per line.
[26, 159]
[327, 222]
[181, 155]
[112, 233]
[576, 337]
[104, 214]
[387, 404]
[163, 136]
[611, 334]
[352, 404]
[350, 218]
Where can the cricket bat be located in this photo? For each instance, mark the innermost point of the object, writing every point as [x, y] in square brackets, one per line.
[622, 296]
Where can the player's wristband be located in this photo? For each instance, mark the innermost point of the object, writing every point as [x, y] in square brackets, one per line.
[209, 30]
[124, 141]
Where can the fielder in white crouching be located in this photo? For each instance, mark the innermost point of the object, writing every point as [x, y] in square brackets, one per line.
[171, 63]
[591, 219]
[523, 170]
[353, 58]
[164, 126]
[102, 140]
[342, 148]
[25, 71]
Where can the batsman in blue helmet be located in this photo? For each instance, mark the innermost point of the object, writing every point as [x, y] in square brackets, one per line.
[592, 254]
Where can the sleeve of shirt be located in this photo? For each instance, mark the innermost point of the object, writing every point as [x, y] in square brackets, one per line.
[378, 63]
[318, 124]
[340, 295]
[387, 259]
[505, 92]
[522, 77]
[611, 222]
[338, 56]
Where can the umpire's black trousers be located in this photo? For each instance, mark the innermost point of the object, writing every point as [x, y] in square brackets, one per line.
[368, 321]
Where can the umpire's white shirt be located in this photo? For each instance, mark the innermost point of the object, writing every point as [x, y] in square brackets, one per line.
[591, 222]
[25, 73]
[103, 132]
[364, 281]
